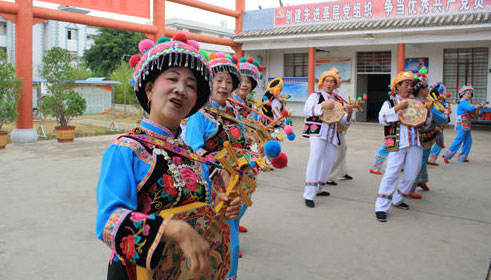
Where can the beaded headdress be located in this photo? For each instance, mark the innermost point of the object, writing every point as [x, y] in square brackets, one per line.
[169, 53]
[251, 68]
[465, 88]
[219, 62]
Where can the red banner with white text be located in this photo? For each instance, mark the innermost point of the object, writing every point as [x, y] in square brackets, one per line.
[140, 8]
[356, 10]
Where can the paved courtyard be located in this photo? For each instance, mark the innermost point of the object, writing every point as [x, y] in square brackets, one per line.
[48, 206]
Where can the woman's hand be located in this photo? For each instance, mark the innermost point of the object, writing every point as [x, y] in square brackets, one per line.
[401, 106]
[225, 177]
[233, 205]
[429, 105]
[193, 246]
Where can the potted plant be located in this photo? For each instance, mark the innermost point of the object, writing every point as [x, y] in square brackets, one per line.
[10, 86]
[62, 103]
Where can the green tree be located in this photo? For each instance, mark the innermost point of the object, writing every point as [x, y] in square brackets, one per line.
[82, 71]
[63, 103]
[10, 86]
[110, 46]
[123, 74]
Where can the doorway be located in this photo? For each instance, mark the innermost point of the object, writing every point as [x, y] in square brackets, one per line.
[376, 87]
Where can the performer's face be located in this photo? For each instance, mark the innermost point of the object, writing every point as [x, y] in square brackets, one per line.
[468, 95]
[222, 87]
[404, 88]
[245, 87]
[423, 92]
[172, 94]
[329, 84]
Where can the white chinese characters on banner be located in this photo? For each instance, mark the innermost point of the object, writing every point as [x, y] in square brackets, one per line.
[349, 10]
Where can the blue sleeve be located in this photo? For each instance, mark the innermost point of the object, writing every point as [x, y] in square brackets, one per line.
[464, 104]
[198, 129]
[117, 185]
[438, 116]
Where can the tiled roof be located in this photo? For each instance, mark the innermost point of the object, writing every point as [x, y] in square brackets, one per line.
[396, 23]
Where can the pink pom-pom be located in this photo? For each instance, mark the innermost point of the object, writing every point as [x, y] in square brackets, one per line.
[288, 129]
[260, 68]
[220, 55]
[194, 44]
[281, 161]
[134, 60]
[284, 113]
[145, 44]
[180, 36]
[250, 60]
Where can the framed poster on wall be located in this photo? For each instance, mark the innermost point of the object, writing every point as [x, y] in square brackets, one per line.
[415, 63]
[343, 66]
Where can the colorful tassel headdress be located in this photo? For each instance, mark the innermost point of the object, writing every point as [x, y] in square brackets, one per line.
[219, 62]
[169, 53]
[420, 79]
[251, 68]
[465, 88]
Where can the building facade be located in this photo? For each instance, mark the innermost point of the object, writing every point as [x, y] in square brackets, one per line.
[363, 39]
[76, 38]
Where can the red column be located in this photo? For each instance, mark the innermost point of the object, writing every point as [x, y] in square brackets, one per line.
[159, 18]
[311, 69]
[401, 57]
[239, 7]
[23, 61]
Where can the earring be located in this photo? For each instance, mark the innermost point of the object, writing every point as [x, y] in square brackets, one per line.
[149, 103]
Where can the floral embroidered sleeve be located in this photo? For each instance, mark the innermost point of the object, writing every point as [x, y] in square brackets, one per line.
[134, 236]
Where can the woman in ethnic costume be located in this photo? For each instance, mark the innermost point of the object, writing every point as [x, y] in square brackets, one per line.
[216, 123]
[250, 78]
[463, 125]
[404, 146]
[428, 135]
[139, 177]
[324, 138]
[437, 95]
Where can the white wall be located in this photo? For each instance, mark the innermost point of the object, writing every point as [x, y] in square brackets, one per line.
[434, 51]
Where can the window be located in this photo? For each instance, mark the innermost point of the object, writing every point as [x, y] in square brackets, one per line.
[296, 65]
[3, 28]
[71, 34]
[370, 62]
[466, 66]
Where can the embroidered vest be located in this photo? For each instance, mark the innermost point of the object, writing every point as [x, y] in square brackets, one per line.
[161, 189]
[313, 124]
[392, 134]
[227, 130]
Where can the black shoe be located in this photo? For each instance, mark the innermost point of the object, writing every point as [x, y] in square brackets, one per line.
[332, 183]
[309, 203]
[381, 216]
[402, 206]
[347, 177]
[324, 193]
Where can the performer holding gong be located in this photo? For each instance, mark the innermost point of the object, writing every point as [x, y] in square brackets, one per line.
[323, 114]
[150, 169]
[402, 141]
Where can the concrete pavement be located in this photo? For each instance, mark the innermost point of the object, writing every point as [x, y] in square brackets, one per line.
[48, 193]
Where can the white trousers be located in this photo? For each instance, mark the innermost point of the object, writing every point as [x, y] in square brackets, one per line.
[408, 158]
[339, 168]
[321, 159]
